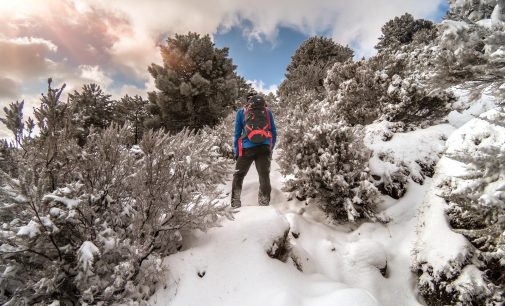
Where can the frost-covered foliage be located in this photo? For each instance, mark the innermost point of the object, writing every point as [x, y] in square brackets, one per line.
[382, 88]
[197, 84]
[222, 135]
[327, 160]
[91, 224]
[14, 121]
[470, 47]
[405, 29]
[473, 10]
[310, 63]
[471, 181]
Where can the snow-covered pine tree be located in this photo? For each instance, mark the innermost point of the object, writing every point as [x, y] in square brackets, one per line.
[308, 66]
[197, 84]
[404, 30]
[14, 120]
[90, 108]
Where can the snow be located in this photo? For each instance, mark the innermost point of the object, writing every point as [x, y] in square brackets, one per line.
[32, 229]
[439, 250]
[497, 17]
[69, 203]
[467, 108]
[86, 254]
[407, 148]
[437, 244]
[230, 266]
[341, 264]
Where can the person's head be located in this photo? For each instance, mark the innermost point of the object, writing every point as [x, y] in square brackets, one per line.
[250, 94]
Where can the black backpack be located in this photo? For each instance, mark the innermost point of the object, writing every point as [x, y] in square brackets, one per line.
[257, 120]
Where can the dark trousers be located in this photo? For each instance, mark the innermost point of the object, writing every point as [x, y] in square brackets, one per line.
[261, 156]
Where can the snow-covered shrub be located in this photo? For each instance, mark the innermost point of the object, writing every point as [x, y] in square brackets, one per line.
[470, 47]
[328, 160]
[472, 185]
[90, 225]
[471, 9]
[382, 88]
[222, 135]
[393, 164]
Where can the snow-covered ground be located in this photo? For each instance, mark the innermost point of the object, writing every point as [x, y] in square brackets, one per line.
[341, 264]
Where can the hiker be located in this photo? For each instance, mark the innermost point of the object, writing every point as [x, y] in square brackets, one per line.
[254, 141]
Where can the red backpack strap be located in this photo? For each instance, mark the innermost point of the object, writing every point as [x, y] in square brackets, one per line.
[268, 117]
[240, 140]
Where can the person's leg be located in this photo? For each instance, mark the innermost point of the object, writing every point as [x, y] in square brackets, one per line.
[241, 168]
[262, 161]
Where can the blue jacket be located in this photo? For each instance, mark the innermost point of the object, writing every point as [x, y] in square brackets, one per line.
[239, 130]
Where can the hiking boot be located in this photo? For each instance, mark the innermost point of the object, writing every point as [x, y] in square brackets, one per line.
[235, 204]
[263, 200]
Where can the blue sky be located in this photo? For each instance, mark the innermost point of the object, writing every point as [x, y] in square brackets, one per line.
[265, 61]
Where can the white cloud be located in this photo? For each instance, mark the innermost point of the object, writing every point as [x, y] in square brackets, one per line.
[94, 74]
[260, 86]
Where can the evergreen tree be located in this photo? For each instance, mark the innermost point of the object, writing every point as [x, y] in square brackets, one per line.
[90, 108]
[14, 120]
[197, 84]
[308, 66]
[402, 30]
[132, 111]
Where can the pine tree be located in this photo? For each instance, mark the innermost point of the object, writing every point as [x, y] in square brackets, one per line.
[14, 120]
[90, 108]
[133, 112]
[402, 30]
[197, 84]
[308, 66]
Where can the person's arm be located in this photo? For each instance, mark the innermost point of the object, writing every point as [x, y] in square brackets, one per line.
[239, 126]
[273, 130]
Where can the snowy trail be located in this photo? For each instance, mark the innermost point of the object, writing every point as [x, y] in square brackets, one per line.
[340, 264]
[353, 256]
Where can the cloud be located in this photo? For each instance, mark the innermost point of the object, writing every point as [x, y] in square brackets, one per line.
[25, 56]
[260, 86]
[94, 74]
[357, 22]
[9, 88]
